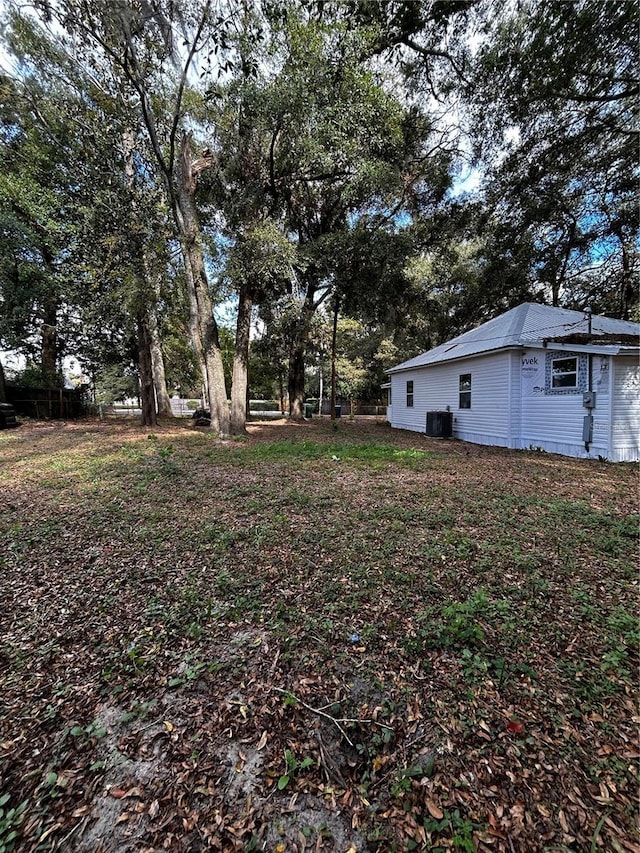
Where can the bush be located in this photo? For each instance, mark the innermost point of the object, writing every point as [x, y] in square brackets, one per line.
[33, 377]
[263, 406]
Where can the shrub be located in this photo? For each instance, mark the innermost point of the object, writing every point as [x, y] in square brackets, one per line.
[264, 406]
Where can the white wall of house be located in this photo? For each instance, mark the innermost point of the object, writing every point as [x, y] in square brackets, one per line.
[554, 421]
[438, 386]
[625, 410]
[513, 405]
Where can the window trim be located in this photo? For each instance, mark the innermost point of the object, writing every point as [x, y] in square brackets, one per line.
[581, 379]
[464, 392]
[409, 393]
[574, 373]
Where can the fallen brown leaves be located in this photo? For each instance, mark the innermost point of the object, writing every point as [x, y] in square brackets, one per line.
[314, 640]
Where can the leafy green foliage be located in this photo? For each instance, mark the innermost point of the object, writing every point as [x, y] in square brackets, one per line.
[113, 385]
[331, 130]
[10, 820]
[293, 767]
[558, 79]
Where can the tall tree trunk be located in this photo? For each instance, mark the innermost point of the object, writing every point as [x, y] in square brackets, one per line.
[143, 305]
[157, 365]
[202, 324]
[49, 351]
[240, 381]
[296, 379]
[194, 329]
[297, 354]
[281, 390]
[3, 392]
[145, 369]
[49, 329]
[334, 339]
[152, 275]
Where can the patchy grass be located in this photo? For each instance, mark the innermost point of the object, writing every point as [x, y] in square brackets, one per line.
[313, 639]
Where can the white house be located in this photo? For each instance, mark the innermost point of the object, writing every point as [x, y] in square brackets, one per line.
[535, 377]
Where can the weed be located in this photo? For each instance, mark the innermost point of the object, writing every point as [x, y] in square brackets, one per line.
[139, 710]
[502, 669]
[459, 621]
[584, 598]
[191, 672]
[94, 730]
[56, 784]
[615, 659]
[455, 827]
[135, 657]
[404, 777]
[623, 628]
[292, 768]
[10, 821]
[401, 785]
[589, 685]
[473, 665]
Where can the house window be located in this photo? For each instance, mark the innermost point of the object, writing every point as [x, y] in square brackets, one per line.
[410, 394]
[465, 391]
[564, 372]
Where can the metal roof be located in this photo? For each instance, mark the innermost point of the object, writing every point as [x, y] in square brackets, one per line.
[531, 324]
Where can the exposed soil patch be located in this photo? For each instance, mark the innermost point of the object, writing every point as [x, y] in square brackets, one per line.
[314, 639]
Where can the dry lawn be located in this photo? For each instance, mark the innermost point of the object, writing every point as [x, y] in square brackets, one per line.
[313, 640]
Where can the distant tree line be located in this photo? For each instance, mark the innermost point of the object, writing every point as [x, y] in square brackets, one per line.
[350, 182]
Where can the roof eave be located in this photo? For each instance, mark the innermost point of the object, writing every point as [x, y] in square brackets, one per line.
[401, 368]
[601, 349]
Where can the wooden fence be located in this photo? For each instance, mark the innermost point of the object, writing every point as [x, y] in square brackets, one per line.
[46, 403]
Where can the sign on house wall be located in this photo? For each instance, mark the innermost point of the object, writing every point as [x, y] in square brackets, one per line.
[535, 373]
[532, 370]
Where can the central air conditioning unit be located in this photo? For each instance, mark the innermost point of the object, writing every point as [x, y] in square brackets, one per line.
[439, 424]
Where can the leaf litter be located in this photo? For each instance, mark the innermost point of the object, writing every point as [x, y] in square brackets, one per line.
[178, 663]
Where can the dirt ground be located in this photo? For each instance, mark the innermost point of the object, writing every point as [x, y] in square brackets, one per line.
[313, 639]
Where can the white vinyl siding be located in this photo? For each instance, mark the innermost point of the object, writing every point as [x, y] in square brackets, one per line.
[512, 407]
[438, 386]
[625, 425]
[554, 422]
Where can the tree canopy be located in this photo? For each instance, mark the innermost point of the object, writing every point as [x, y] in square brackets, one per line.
[161, 164]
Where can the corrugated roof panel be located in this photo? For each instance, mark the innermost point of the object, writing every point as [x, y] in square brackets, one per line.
[528, 323]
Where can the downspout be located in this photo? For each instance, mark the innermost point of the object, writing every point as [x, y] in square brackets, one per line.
[510, 404]
[588, 420]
